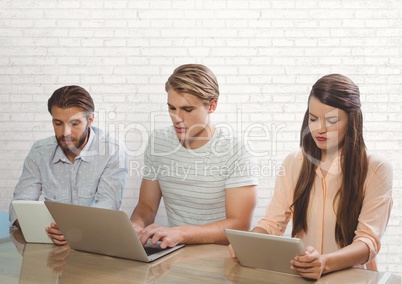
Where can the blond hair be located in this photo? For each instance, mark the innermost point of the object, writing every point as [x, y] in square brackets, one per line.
[194, 79]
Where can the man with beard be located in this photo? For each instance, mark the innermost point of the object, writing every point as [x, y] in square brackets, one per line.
[80, 164]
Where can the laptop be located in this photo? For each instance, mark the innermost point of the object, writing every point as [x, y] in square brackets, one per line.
[265, 251]
[33, 218]
[103, 231]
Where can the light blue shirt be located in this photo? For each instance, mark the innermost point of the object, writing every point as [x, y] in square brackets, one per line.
[97, 177]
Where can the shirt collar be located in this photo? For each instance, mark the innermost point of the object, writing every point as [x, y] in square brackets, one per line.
[335, 168]
[86, 154]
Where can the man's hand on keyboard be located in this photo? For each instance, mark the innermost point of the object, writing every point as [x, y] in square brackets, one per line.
[169, 237]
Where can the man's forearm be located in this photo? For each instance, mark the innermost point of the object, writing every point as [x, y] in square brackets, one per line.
[142, 216]
[210, 233]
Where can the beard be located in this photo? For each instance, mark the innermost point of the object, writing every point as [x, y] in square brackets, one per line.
[76, 143]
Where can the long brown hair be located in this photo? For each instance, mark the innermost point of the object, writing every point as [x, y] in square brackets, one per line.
[340, 92]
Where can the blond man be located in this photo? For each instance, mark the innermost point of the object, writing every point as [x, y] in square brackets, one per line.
[202, 172]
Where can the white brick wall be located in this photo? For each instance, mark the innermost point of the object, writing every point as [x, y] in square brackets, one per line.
[266, 55]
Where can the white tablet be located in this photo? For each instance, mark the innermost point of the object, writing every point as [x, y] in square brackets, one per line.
[265, 251]
[33, 217]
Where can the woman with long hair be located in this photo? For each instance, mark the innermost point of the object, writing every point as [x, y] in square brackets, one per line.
[338, 196]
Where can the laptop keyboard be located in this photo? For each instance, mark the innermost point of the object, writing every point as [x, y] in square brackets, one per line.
[152, 250]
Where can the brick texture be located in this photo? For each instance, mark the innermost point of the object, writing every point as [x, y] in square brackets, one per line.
[266, 55]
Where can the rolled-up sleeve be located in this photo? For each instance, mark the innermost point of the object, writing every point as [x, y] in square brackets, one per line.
[278, 211]
[376, 208]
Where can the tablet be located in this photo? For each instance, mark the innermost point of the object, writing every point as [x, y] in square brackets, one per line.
[33, 217]
[265, 251]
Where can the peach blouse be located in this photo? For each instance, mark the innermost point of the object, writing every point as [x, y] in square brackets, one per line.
[321, 215]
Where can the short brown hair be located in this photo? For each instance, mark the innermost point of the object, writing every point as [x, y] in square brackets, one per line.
[194, 79]
[71, 96]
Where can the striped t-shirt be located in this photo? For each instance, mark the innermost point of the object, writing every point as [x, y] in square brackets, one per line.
[193, 181]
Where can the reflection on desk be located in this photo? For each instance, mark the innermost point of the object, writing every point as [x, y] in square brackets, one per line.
[46, 263]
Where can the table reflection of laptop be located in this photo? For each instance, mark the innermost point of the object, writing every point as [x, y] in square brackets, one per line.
[82, 267]
[103, 231]
[60, 264]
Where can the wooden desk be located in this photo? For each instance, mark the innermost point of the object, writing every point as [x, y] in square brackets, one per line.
[42, 263]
